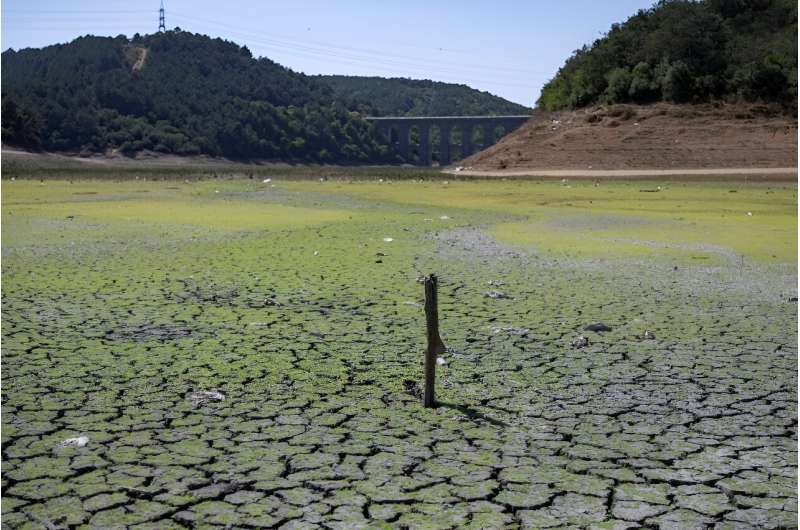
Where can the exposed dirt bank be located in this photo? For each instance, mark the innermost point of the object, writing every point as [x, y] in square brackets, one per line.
[653, 137]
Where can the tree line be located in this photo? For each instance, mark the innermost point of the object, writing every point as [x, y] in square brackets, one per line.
[180, 93]
[686, 51]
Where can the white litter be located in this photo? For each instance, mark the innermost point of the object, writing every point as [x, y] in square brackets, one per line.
[80, 441]
[316, 252]
[750, 214]
[388, 239]
[444, 218]
[440, 361]
[204, 396]
[267, 181]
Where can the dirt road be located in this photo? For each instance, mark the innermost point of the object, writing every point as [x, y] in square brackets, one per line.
[771, 174]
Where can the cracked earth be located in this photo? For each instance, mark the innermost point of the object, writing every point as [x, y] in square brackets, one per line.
[265, 379]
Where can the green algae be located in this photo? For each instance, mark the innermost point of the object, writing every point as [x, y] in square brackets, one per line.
[289, 302]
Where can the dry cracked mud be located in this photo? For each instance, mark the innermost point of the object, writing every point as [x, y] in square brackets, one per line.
[315, 424]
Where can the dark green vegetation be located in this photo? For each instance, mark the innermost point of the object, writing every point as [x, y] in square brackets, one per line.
[186, 94]
[122, 300]
[415, 97]
[686, 51]
[179, 93]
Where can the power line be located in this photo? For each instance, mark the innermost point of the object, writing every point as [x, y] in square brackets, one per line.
[381, 55]
[376, 60]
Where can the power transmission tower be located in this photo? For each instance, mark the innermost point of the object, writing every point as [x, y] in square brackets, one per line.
[161, 25]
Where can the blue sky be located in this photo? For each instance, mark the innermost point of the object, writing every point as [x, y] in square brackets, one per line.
[507, 47]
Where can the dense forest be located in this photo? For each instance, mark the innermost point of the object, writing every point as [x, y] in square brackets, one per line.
[182, 93]
[176, 92]
[414, 97]
[686, 51]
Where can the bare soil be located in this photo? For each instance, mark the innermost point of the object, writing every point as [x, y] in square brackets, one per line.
[653, 137]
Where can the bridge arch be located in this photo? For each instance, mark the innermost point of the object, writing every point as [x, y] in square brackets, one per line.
[458, 136]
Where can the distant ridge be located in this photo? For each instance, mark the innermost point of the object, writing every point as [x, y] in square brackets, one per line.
[177, 93]
[399, 96]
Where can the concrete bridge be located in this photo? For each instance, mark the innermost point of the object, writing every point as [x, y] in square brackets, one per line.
[464, 133]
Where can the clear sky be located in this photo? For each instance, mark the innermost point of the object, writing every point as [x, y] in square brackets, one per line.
[507, 47]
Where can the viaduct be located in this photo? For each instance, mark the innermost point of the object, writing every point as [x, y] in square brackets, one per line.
[467, 130]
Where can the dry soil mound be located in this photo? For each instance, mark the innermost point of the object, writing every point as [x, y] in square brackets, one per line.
[659, 136]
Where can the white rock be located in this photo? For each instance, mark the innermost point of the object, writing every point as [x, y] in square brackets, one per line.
[750, 214]
[440, 361]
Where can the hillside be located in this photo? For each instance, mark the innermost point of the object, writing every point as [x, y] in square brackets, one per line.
[686, 51]
[658, 136]
[176, 93]
[414, 97]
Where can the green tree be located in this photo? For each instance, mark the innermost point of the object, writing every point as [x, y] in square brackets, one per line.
[619, 83]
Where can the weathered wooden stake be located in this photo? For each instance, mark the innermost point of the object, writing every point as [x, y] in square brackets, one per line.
[435, 344]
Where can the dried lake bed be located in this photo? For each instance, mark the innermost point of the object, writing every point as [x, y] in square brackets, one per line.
[240, 353]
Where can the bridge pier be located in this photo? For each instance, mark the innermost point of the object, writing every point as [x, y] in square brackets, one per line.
[444, 144]
[425, 145]
[466, 141]
[404, 143]
[488, 135]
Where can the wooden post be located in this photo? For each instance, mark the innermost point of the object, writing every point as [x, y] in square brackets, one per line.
[435, 344]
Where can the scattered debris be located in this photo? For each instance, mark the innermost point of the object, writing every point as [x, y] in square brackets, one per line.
[440, 361]
[580, 342]
[648, 335]
[597, 327]
[444, 217]
[388, 239]
[201, 397]
[412, 388]
[749, 214]
[80, 441]
[497, 295]
[495, 283]
[267, 181]
[316, 252]
[511, 330]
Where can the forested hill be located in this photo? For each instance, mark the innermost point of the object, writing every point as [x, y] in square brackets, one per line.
[413, 97]
[180, 93]
[687, 51]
